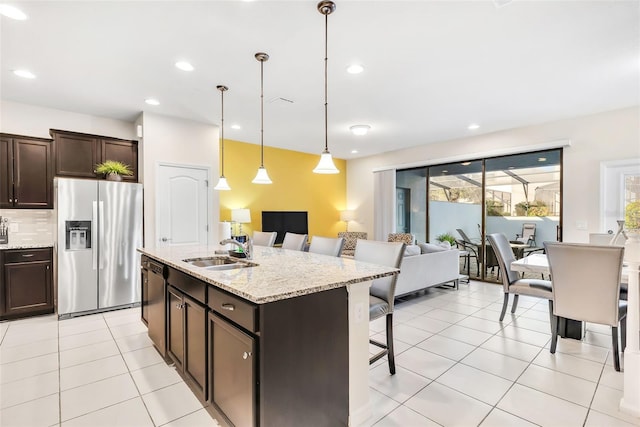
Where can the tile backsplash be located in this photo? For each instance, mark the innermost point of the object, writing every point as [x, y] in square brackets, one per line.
[34, 226]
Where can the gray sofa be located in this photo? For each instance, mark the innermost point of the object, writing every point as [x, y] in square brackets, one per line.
[430, 266]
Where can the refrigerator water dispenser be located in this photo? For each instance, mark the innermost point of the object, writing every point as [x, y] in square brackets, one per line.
[77, 235]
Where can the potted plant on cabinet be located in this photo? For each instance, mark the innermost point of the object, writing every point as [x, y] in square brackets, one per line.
[113, 170]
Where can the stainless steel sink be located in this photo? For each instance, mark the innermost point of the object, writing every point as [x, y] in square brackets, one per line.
[218, 263]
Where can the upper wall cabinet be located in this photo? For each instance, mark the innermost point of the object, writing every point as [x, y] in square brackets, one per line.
[77, 154]
[26, 172]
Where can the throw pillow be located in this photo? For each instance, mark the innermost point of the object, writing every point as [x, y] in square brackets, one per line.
[427, 248]
[412, 250]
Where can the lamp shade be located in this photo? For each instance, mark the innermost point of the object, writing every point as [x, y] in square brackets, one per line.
[242, 216]
[222, 185]
[347, 215]
[262, 177]
[326, 165]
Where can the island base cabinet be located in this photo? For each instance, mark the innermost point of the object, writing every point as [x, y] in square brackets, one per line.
[233, 372]
[186, 342]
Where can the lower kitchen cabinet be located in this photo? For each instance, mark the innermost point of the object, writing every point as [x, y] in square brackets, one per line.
[233, 371]
[186, 346]
[26, 286]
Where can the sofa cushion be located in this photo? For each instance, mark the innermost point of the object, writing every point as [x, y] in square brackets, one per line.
[427, 248]
[412, 250]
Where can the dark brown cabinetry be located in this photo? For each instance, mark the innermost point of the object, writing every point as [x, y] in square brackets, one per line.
[26, 282]
[77, 154]
[186, 327]
[153, 302]
[26, 174]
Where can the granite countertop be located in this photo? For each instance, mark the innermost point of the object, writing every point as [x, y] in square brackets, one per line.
[280, 273]
[25, 246]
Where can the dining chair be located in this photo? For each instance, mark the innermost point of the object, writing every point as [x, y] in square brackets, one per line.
[511, 281]
[350, 239]
[293, 241]
[381, 293]
[263, 238]
[586, 287]
[326, 245]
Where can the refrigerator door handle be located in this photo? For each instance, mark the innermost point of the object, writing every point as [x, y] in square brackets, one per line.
[101, 228]
[94, 238]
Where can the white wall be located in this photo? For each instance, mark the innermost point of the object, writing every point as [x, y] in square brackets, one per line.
[600, 137]
[177, 141]
[31, 120]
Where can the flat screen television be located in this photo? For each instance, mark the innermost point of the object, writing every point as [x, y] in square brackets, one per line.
[283, 221]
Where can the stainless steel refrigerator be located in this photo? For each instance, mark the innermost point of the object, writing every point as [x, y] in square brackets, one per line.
[99, 230]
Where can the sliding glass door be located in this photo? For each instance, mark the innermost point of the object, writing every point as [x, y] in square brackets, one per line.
[517, 195]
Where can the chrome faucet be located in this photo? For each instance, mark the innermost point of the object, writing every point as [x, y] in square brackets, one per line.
[247, 248]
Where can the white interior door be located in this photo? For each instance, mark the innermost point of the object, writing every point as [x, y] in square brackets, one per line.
[182, 216]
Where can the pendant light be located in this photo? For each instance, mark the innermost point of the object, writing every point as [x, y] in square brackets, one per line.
[222, 182]
[326, 165]
[262, 177]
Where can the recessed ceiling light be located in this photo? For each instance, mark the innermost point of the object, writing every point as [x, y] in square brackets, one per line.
[12, 12]
[236, 127]
[184, 66]
[152, 101]
[542, 159]
[473, 126]
[355, 69]
[24, 74]
[354, 151]
[360, 129]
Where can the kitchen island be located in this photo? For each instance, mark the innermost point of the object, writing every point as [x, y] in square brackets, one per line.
[281, 342]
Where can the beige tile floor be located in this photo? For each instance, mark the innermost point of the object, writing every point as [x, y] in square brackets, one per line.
[456, 366]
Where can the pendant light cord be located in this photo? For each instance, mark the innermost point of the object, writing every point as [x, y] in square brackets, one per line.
[261, 114]
[326, 43]
[222, 132]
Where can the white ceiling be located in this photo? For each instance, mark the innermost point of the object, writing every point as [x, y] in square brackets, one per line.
[431, 67]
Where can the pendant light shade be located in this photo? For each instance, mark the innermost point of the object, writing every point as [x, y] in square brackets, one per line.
[326, 166]
[262, 177]
[222, 184]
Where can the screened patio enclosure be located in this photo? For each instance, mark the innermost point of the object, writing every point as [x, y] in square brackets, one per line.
[518, 195]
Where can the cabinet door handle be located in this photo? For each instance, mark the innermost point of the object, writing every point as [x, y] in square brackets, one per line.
[179, 306]
[27, 255]
[227, 306]
[47, 267]
[246, 355]
[10, 200]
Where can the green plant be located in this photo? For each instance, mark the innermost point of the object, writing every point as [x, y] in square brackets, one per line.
[632, 216]
[446, 237]
[113, 166]
[535, 208]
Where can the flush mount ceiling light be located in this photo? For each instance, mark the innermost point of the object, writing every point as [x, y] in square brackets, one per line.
[184, 66]
[236, 127]
[355, 69]
[325, 165]
[473, 126]
[152, 101]
[262, 177]
[360, 129]
[25, 74]
[12, 12]
[354, 151]
[222, 184]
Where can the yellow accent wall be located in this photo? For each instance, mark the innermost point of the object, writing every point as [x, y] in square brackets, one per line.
[295, 187]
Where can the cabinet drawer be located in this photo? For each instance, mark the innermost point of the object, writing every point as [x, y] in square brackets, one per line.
[234, 308]
[27, 255]
[196, 289]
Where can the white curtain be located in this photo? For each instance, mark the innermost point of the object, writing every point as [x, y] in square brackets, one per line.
[384, 204]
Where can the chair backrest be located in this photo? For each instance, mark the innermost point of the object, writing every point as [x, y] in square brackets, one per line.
[504, 256]
[263, 238]
[405, 238]
[463, 235]
[350, 239]
[585, 281]
[382, 253]
[294, 241]
[326, 245]
[528, 232]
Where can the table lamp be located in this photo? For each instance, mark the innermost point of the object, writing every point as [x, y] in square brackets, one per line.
[241, 216]
[347, 216]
